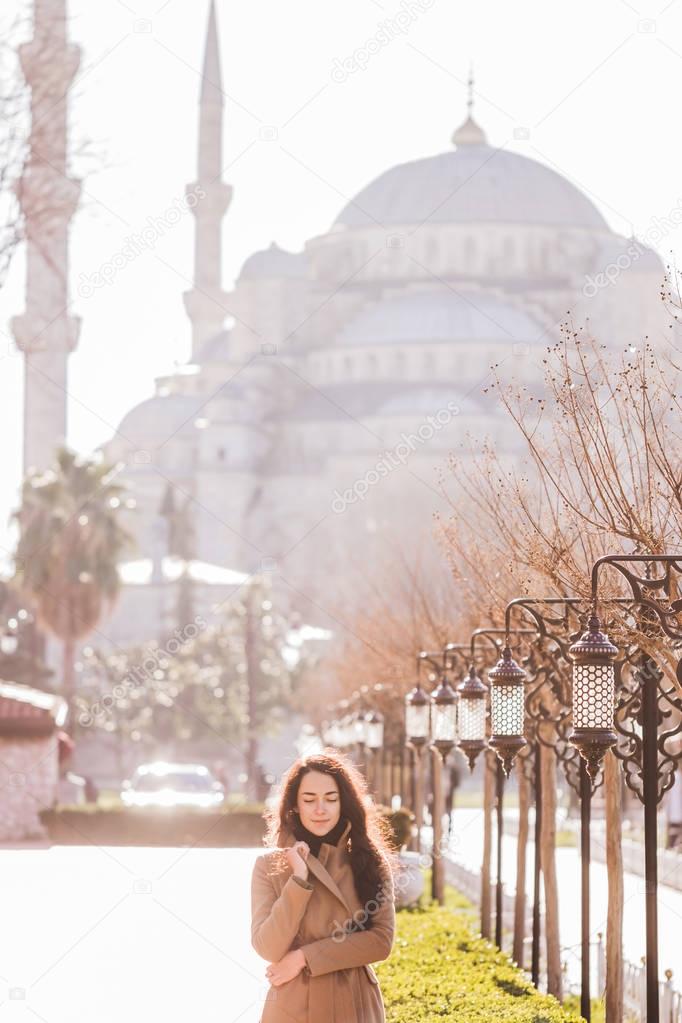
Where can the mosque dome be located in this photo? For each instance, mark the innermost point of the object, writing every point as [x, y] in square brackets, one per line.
[274, 262]
[473, 183]
[158, 419]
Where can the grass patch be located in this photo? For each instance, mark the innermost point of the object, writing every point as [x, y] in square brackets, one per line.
[573, 1002]
[566, 839]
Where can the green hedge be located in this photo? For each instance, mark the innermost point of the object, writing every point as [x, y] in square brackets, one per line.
[176, 827]
[442, 970]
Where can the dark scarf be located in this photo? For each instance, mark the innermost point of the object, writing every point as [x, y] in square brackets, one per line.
[301, 834]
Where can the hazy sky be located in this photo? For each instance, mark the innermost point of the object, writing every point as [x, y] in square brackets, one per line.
[596, 87]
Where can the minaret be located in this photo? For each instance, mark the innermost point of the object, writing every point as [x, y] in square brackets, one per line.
[45, 333]
[206, 302]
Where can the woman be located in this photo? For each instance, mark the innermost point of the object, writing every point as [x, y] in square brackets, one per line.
[322, 897]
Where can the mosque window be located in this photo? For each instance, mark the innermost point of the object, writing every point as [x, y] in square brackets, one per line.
[429, 362]
[507, 254]
[469, 253]
[544, 257]
[220, 454]
[399, 362]
[371, 365]
[348, 366]
[431, 252]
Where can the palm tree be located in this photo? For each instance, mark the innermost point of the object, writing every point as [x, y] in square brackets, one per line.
[71, 541]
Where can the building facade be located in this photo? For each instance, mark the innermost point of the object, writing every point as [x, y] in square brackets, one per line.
[327, 387]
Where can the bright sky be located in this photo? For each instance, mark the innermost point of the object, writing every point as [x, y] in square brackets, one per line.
[595, 86]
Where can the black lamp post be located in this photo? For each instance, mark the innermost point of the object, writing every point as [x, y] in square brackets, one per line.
[374, 738]
[648, 699]
[444, 736]
[417, 735]
[507, 681]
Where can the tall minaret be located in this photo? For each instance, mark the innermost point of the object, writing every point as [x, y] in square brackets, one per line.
[206, 302]
[45, 333]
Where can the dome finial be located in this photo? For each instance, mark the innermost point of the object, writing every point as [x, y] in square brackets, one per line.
[469, 133]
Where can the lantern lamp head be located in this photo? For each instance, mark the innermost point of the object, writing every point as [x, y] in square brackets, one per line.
[374, 727]
[472, 693]
[507, 702]
[594, 687]
[444, 717]
[417, 718]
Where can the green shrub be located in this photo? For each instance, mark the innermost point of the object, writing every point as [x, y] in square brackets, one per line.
[442, 970]
[400, 824]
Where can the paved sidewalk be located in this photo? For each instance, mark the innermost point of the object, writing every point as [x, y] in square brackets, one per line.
[127, 935]
[467, 847]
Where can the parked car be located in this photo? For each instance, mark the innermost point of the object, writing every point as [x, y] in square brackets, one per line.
[168, 785]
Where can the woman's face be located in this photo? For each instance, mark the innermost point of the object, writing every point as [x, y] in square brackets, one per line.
[318, 802]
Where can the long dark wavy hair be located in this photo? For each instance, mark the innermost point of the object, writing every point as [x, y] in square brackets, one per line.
[371, 856]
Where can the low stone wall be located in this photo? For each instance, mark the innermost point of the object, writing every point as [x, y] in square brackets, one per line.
[28, 780]
[155, 827]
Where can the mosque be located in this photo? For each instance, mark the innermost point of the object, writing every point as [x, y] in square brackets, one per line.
[304, 435]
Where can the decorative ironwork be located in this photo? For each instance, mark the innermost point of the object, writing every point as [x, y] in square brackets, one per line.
[651, 594]
[629, 726]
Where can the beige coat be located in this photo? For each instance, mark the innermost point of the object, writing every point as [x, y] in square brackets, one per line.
[338, 985]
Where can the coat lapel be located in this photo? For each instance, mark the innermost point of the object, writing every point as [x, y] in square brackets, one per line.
[322, 874]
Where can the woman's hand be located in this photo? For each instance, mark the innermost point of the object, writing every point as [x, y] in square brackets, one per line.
[287, 968]
[297, 855]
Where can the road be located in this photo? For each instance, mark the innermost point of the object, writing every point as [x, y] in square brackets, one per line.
[127, 935]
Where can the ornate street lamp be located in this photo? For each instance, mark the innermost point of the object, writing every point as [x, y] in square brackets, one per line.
[594, 688]
[506, 709]
[360, 730]
[347, 731]
[472, 693]
[417, 735]
[9, 639]
[444, 717]
[417, 718]
[374, 730]
[374, 741]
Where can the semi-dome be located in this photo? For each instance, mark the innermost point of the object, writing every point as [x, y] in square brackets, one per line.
[439, 316]
[474, 183]
[274, 262]
[628, 253]
[158, 419]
